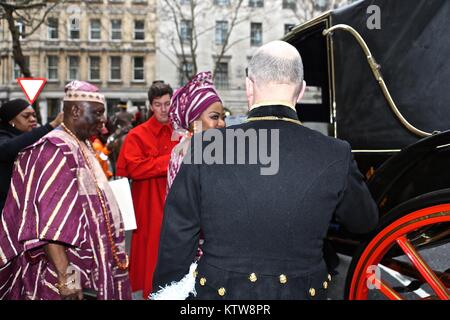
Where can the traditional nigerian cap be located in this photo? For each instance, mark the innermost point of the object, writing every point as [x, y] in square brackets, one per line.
[190, 101]
[82, 91]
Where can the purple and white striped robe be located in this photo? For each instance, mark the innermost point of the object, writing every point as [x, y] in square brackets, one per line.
[52, 198]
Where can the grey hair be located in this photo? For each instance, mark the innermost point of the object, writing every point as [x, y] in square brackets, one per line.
[266, 68]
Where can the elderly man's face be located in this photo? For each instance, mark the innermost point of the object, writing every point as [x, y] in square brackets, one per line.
[92, 119]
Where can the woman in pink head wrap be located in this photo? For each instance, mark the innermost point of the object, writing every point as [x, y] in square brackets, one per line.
[195, 107]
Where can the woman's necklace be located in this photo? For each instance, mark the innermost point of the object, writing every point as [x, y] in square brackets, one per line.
[122, 265]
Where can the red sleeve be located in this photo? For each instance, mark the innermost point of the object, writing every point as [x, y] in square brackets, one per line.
[138, 164]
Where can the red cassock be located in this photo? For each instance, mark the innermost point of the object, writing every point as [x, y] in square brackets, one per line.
[144, 158]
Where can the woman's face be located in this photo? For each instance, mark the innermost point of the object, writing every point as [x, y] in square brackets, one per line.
[25, 121]
[211, 118]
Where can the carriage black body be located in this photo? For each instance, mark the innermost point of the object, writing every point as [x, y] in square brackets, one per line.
[406, 162]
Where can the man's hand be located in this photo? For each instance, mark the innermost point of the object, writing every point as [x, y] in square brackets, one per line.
[68, 286]
[67, 293]
[59, 118]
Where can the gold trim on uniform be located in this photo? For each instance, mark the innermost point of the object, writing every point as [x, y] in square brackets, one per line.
[273, 118]
[266, 103]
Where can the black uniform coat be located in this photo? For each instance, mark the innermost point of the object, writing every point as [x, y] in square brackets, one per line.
[12, 141]
[263, 233]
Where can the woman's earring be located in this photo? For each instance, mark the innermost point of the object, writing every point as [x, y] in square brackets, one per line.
[13, 125]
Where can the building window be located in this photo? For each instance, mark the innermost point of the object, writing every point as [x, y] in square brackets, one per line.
[115, 64]
[74, 28]
[321, 4]
[53, 108]
[186, 30]
[139, 30]
[95, 29]
[116, 29]
[222, 2]
[73, 64]
[186, 72]
[255, 34]
[16, 71]
[256, 3]
[52, 28]
[221, 77]
[288, 27]
[221, 32]
[52, 67]
[94, 68]
[290, 4]
[138, 68]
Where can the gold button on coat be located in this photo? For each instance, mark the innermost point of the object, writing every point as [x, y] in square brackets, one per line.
[221, 291]
[253, 277]
[283, 279]
[202, 281]
[312, 292]
[329, 277]
[325, 284]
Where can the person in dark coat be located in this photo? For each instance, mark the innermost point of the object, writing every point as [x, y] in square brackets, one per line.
[18, 129]
[264, 204]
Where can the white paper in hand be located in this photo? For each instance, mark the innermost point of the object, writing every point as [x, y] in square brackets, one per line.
[122, 192]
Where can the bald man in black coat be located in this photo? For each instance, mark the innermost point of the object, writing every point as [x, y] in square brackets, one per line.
[263, 221]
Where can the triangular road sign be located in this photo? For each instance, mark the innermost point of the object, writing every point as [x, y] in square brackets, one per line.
[32, 87]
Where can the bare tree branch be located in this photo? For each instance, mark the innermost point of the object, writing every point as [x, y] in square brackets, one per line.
[29, 13]
[226, 45]
[42, 19]
[186, 47]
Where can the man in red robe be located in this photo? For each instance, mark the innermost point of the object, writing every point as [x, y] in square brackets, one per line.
[144, 159]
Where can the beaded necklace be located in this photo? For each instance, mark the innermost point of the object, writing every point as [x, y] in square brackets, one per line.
[120, 264]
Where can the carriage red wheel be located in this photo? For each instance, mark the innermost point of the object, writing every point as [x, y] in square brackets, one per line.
[393, 234]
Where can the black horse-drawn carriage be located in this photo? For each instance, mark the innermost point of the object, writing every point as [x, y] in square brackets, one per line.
[382, 67]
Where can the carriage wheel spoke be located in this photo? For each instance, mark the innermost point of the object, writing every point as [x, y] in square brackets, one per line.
[427, 273]
[387, 290]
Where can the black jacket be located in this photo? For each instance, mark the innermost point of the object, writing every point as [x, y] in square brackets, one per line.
[12, 141]
[263, 233]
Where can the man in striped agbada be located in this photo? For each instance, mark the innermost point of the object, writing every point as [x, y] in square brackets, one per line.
[61, 234]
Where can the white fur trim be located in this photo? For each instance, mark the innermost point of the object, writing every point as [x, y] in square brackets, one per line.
[178, 290]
